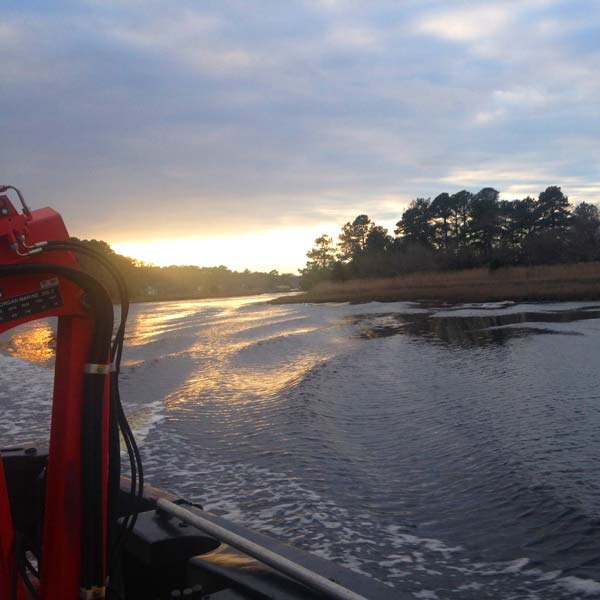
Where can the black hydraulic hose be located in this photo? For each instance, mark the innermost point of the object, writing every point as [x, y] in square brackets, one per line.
[92, 396]
[117, 347]
[91, 450]
[116, 275]
[116, 541]
[114, 468]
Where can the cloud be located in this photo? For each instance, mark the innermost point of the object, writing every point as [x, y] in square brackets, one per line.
[187, 38]
[232, 116]
[505, 103]
[502, 173]
[527, 98]
[466, 24]
[354, 38]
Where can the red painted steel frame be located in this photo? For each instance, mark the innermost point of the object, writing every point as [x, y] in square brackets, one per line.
[7, 538]
[61, 545]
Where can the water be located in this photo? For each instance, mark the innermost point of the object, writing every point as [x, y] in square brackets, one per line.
[450, 452]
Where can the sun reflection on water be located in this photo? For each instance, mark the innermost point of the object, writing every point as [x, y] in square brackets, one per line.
[34, 343]
[228, 353]
[232, 349]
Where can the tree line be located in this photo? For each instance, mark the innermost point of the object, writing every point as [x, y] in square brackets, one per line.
[149, 282]
[458, 231]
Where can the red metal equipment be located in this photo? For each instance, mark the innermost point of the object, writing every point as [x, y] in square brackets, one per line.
[26, 296]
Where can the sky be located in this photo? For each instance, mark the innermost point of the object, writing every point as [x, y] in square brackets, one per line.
[235, 132]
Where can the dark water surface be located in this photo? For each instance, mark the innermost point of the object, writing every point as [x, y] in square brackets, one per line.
[451, 452]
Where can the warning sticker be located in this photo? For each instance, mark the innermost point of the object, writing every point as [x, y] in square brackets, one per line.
[33, 303]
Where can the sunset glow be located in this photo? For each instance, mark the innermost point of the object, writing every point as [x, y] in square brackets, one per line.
[283, 249]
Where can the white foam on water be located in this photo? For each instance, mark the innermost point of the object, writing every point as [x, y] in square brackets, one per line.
[505, 308]
[473, 585]
[516, 565]
[258, 498]
[426, 595]
[579, 586]
[395, 559]
[144, 419]
[549, 575]
[25, 400]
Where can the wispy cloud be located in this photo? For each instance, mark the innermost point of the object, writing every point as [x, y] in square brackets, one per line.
[250, 116]
[468, 24]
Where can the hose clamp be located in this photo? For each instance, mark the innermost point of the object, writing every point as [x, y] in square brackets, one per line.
[96, 369]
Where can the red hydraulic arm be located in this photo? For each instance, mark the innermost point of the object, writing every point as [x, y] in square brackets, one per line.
[7, 539]
[26, 296]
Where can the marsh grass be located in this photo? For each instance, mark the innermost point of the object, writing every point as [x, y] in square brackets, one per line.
[579, 281]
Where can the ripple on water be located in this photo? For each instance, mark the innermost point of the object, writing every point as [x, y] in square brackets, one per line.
[449, 452]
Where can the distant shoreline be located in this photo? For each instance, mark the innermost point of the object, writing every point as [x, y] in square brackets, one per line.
[185, 298]
[575, 282]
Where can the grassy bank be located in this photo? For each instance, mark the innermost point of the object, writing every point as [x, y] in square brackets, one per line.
[558, 282]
